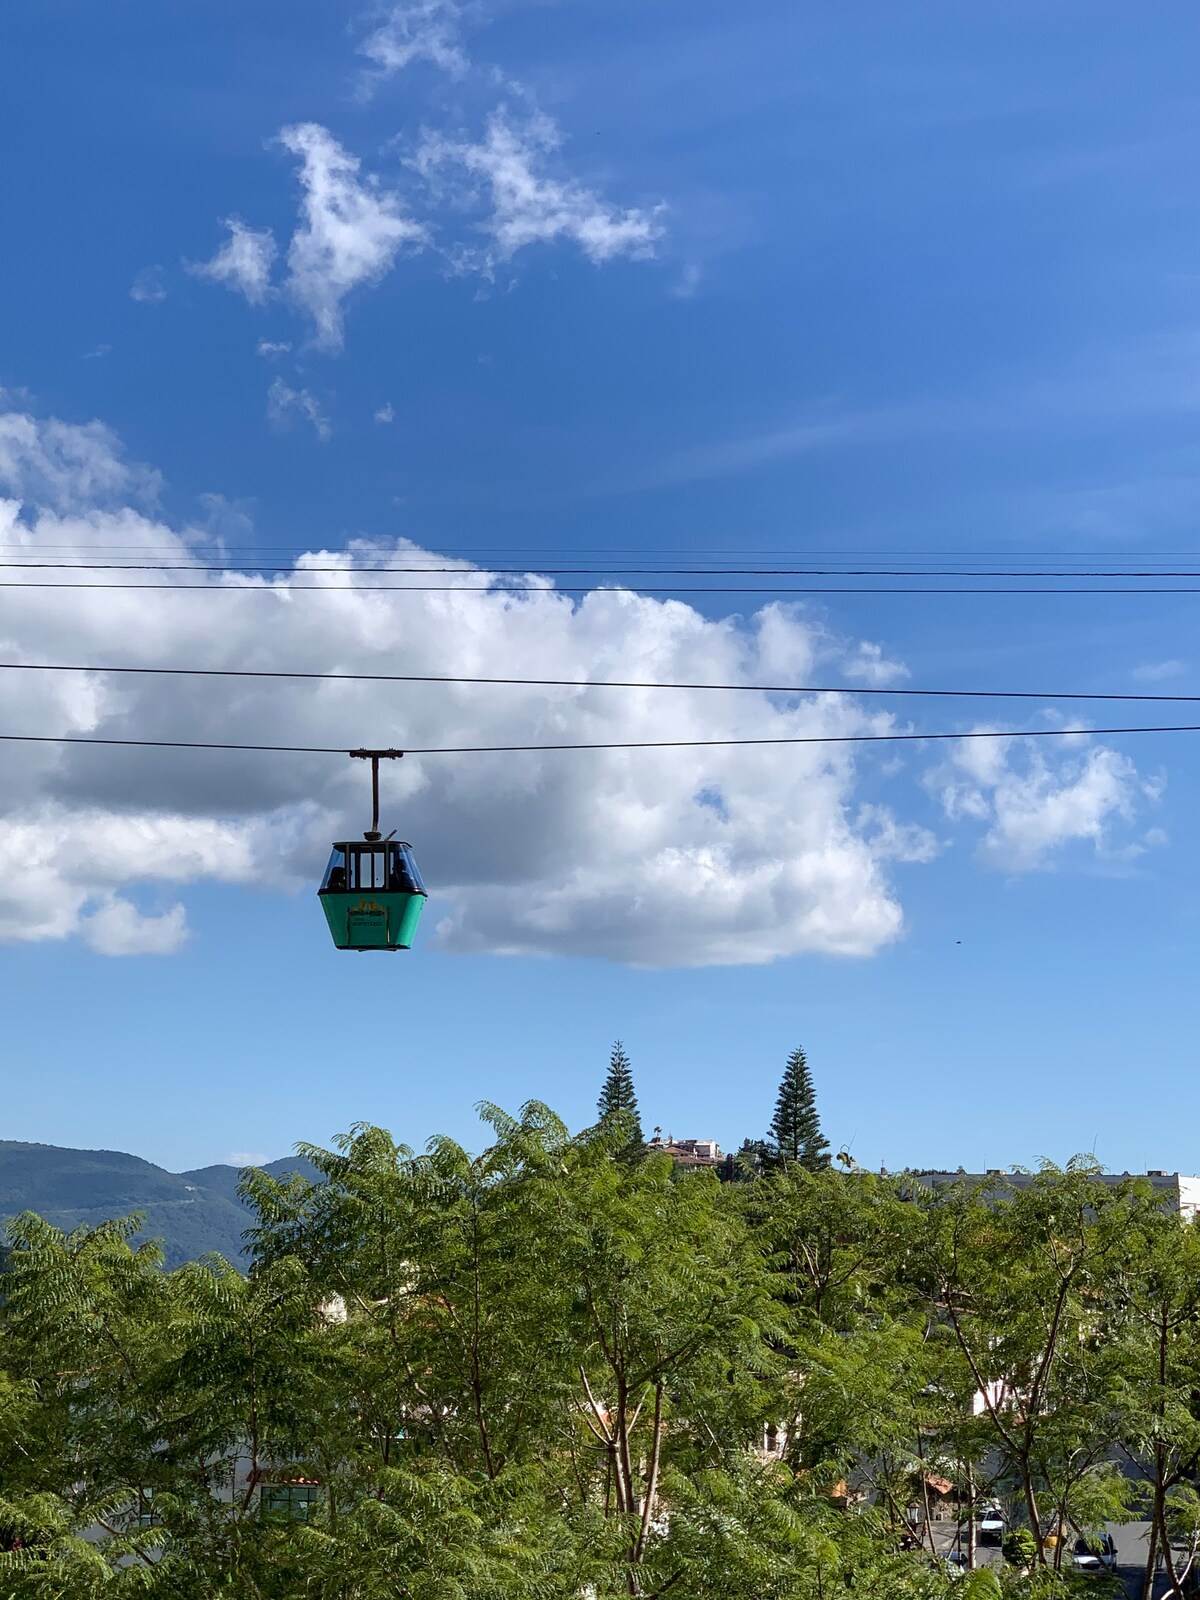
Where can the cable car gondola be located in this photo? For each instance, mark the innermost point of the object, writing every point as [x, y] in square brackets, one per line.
[372, 893]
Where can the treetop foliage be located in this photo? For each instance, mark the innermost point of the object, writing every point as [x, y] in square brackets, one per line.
[796, 1127]
[618, 1101]
[553, 1370]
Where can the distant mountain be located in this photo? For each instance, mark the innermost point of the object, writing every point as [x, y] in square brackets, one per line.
[190, 1213]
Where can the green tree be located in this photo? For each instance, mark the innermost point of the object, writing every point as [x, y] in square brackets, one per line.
[618, 1099]
[455, 1314]
[752, 1157]
[1017, 1276]
[542, 1371]
[796, 1127]
[160, 1399]
[1153, 1320]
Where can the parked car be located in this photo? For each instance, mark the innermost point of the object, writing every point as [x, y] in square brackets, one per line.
[1095, 1555]
[992, 1525]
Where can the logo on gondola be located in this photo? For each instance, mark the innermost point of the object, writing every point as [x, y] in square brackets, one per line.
[367, 908]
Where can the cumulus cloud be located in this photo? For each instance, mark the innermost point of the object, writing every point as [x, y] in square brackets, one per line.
[284, 403]
[270, 348]
[386, 413]
[1033, 803]
[243, 263]
[529, 203]
[350, 234]
[64, 860]
[418, 30]
[656, 857]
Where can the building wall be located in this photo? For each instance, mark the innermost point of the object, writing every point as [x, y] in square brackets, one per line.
[1180, 1191]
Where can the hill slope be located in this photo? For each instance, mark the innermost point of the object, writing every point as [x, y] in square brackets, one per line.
[191, 1213]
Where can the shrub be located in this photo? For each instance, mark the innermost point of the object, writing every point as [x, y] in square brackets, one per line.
[1019, 1548]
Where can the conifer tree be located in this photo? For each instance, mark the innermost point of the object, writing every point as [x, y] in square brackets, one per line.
[795, 1127]
[618, 1095]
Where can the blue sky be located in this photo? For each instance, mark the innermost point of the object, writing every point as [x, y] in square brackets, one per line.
[536, 284]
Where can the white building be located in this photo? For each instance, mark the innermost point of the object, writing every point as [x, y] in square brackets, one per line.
[1179, 1191]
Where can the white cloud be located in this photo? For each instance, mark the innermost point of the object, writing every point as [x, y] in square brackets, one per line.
[224, 522]
[868, 665]
[419, 30]
[352, 227]
[892, 840]
[270, 348]
[351, 232]
[1159, 671]
[657, 857]
[245, 1158]
[530, 205]
[147, 287]
[386, 413]
[1033, 803]
[243, 263]
[65, 465]
[118, 928]
[63, 861]
[283, 402]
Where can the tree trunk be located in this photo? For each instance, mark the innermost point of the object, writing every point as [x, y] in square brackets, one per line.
[652, 1476]
[970, 1520]
[1160, 1457]
[1168, 1557]
[1151, 1552]
[1035, 1524]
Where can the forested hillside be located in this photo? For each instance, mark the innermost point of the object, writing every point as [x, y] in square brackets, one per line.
[191, 1213]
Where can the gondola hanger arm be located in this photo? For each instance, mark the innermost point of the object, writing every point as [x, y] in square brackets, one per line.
[375, 757]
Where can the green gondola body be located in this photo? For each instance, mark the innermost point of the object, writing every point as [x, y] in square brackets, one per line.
[374, 920]
[372, 895]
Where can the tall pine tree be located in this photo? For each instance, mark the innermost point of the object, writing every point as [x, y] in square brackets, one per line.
[795, 1127]
[618, 1096]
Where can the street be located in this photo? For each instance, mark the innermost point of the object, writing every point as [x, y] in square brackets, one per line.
[1129, 1538]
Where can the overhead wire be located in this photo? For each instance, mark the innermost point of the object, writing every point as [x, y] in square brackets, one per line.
[545, 588]
[525, 569]
[285, 674]
[605, 744]
[503, 588]
[180, 549]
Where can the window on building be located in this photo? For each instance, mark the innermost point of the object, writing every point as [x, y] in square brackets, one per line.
[292, 1501]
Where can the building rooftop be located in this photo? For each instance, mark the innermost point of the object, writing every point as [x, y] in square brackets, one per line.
[688, 1152]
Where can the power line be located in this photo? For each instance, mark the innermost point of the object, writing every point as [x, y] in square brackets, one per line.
[502, 588]
[578, 571]
[177, 549]
[600, 683]
[616, 744]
